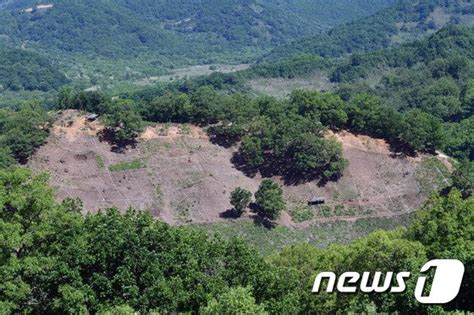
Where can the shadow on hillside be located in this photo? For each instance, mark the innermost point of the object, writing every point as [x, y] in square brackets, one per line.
[399, 149]
[289, 177]
[239, 163]
[255, 214]
[117, 146]
[229, 214]
[222, 140]
[259, 219]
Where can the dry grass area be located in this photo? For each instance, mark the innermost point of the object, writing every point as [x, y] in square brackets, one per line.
[184, 179]
[281, 87]
[192, 71]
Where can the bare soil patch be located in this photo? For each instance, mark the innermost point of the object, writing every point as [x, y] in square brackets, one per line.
[187, 179]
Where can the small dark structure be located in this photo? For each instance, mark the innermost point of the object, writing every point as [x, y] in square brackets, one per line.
[315, 201]
[92, 117]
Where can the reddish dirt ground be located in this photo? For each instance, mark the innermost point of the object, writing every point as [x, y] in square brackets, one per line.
[186, 179]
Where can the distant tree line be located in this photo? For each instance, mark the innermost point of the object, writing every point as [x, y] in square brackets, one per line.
[275, 137]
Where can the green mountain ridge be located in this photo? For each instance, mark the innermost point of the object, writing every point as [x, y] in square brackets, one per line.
[26, 70]
[405, 21]
[179, 28]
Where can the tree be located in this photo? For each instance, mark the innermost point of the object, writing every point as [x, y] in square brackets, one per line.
[388, 251]
[24, 130]
[441, 98]
[445, 227]
[469, 96]
[206, 105]
[237, 301]
[123, 121]
[119, 310]
[368, 115]
[463, 178]
[25, 201]
[327, 107]
[65, 98]
[312, 155]
[459, 139]
[269, 198]
[91, 101]
[252, 151]
[240, 199]
[170, 107]
[6, 158]
[421, 130]
[226, 135]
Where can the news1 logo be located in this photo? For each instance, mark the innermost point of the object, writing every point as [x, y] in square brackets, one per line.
[444, 287]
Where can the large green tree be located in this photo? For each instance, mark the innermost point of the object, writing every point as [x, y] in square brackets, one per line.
[123, 121]
[326, 107]
[421, 131]
[240, 199]
[269, 198]
[313, 156]
[237, 301]
[445, 226]
[24, 130]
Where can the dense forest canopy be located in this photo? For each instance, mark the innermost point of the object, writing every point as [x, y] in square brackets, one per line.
[404, 21]
[54, 260]
[423, 96]
[108, 43]
[188, 28]
[26, 70]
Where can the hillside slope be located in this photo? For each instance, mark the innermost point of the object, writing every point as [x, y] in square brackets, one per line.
[405, 21]
[376, 184]
[180, 28]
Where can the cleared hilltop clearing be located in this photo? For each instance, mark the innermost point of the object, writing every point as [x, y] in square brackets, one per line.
[181, 177]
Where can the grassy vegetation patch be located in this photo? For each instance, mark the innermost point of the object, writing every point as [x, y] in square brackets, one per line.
[340, 210]
[127, 166]
[269, 241]
[432, 175]
[302, 214]
[100, 162]
[192, 178]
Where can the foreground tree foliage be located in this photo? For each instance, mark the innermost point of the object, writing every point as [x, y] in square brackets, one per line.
[443, 228]
[463, 178]
[55, 260]
[21, 132]
[236, 301]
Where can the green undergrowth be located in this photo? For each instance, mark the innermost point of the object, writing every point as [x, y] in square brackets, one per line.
[127, 166]
[269, 241]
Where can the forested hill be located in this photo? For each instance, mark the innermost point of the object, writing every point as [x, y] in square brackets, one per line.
[26, 70]
[434, 75]
[194, 29]
[405, 21]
